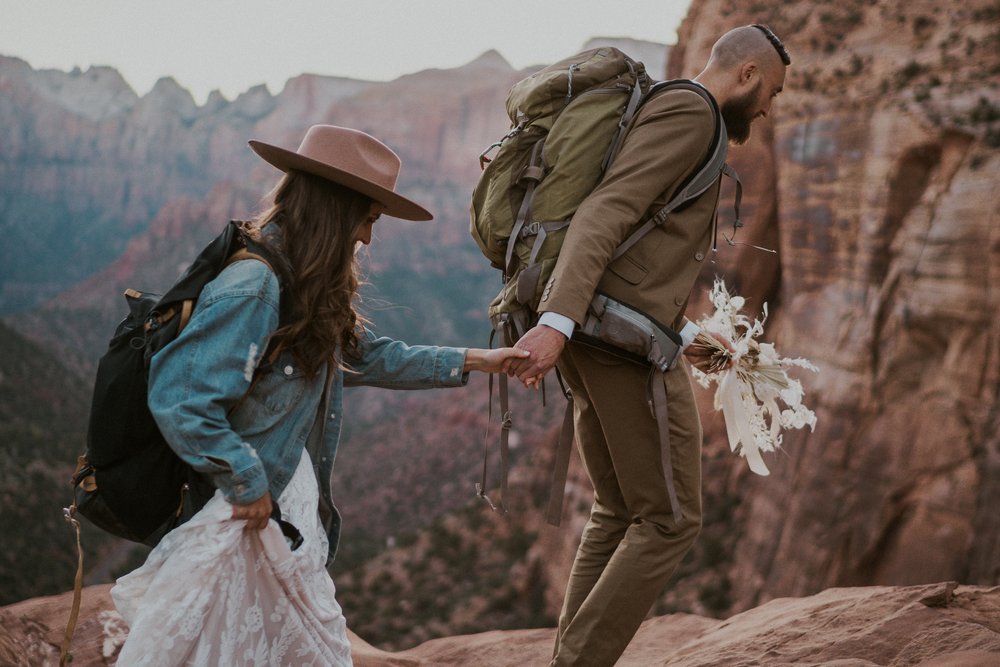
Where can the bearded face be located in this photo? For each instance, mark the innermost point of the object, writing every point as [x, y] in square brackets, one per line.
[739, 112]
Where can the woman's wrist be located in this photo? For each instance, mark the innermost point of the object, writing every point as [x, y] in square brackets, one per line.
[473, 360]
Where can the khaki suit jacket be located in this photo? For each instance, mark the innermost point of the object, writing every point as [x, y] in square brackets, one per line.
[668, 140]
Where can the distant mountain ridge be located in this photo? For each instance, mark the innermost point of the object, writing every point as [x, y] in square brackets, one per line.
[86, 164]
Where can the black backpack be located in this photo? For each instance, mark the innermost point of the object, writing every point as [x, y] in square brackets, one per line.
[129, 482]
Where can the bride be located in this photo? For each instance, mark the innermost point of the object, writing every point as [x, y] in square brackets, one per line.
[253, 402]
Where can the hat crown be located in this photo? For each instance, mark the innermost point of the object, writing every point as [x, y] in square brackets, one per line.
[350, 158]
[352, 151]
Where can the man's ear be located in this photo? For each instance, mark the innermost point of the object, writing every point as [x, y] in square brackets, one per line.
[748, 71]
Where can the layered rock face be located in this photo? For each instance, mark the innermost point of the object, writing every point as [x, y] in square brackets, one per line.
[940, 625]
[875, 180]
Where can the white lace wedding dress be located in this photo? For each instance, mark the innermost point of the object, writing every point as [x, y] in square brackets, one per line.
[212, 593]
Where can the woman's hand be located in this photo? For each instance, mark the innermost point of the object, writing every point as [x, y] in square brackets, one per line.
[256, 513]
[492, 361]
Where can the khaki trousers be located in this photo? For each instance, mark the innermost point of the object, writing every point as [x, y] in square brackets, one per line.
[631, 544]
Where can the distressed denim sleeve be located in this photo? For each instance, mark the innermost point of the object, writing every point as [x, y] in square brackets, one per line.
[197, 379]
[392, 364]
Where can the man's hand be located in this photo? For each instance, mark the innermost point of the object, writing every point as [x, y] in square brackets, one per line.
[545, 345]
[256, 513]
[492, 361]
[700, 355]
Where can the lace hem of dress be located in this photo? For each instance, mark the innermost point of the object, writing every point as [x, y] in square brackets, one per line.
[212, 593]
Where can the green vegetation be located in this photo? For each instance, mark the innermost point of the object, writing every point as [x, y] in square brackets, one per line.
[984, 112]
[43, 410]
[465, 573]
[715, 595]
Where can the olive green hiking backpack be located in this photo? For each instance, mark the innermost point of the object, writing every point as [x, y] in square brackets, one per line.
[568, 122]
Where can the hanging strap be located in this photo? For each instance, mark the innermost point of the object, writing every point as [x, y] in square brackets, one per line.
[69, 513]
[560, 466]
[659, 405]
[635, 100]
[505, 424]
[564, 448]
[737, 222]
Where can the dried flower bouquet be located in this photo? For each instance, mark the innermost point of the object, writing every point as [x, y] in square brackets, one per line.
[749, 390]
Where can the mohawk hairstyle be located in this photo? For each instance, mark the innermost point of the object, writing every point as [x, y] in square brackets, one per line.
[775, 42]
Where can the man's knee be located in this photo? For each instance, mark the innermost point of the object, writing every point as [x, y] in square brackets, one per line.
[690, 528]
[682, 534]
[605, 529]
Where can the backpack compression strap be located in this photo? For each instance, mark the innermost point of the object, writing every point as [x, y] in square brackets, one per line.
[702, 180]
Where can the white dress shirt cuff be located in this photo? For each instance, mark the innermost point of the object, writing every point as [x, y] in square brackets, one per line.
[560, 323]
[688, 333]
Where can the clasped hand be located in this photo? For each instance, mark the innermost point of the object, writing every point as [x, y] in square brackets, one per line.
[544, 344]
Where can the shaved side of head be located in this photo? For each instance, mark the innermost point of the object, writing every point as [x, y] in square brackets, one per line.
[746, 43]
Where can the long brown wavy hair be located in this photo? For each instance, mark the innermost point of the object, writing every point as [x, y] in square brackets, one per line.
[319, 221]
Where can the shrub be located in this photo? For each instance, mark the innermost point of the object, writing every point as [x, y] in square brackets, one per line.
[910, 71]
[984, 112]
[922, 23]
[715, 596]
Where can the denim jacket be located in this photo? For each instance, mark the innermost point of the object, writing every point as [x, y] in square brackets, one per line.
[250, 443]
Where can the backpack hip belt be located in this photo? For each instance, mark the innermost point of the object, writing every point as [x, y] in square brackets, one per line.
[628, 333]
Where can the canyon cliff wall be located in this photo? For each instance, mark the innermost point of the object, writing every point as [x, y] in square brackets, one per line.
[875, 179]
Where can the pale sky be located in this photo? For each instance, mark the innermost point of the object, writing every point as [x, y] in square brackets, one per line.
[235, 44]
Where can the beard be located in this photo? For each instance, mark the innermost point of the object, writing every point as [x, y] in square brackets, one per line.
[737, 114]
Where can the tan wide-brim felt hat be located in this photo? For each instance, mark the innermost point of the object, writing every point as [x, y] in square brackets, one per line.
[351, 158]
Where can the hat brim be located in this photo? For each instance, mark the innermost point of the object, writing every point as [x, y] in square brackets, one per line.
[395, 205]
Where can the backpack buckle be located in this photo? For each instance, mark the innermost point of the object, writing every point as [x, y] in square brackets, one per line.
[484, 157]
[531, 229]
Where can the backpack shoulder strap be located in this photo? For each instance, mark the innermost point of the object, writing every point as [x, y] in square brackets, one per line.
[709, 170]
[243, 254]
[187, 306]
[703, 178]
[245, 248]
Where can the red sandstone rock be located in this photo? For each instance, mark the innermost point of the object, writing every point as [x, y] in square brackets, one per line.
[875, 179]
[938, 625]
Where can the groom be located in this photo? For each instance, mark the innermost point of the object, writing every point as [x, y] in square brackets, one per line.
[632, 543]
